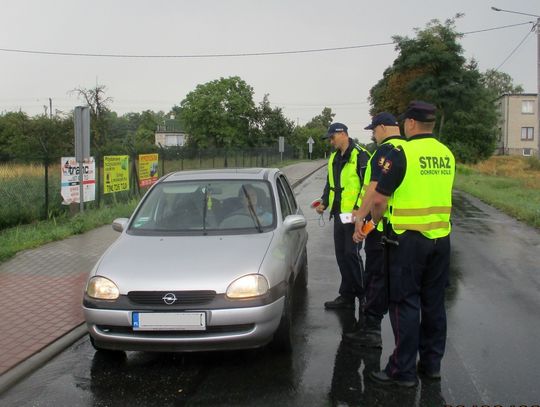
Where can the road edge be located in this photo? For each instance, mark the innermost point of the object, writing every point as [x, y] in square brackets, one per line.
[12, 376]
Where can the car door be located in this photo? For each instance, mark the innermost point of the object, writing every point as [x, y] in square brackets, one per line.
[298, 237]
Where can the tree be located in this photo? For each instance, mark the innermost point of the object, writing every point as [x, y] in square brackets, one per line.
[315, 129]
[219, 113]
[323, 120]
[272, 124]
[99, 112]
[499, 83]
[431, 67]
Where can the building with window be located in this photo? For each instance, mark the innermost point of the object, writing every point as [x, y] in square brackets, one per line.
[518, 124]
[170, 134]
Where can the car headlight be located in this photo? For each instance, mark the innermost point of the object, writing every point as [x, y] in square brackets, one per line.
[252, 285]
[102, 288]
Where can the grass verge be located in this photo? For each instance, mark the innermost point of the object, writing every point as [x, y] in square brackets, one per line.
[37, 234]
[515, 192]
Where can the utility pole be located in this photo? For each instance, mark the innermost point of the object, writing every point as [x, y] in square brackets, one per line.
[537, 26]
[50, 108]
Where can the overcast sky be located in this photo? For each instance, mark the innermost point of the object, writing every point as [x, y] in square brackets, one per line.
[302, 84]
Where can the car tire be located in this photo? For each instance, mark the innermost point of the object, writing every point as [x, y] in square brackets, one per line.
[282, 341]
[301, 281]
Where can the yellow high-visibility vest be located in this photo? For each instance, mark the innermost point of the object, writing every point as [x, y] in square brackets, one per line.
[349, 181]
[423, 201]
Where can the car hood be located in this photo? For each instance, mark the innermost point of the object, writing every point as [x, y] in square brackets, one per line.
[171, 263]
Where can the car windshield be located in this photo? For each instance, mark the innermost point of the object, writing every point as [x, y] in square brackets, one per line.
[206, 206]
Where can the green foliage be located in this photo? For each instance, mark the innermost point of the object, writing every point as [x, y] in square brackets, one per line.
[272, 124]
[431, 67]
[219, 113]
[499, 83]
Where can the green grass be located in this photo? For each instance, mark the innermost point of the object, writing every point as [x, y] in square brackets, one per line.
[510, 195]
[37, 234]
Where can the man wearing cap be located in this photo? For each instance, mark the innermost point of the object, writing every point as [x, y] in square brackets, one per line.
[418, 176]
[346, 168]
[386, 134]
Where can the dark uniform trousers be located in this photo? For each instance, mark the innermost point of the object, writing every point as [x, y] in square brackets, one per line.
[418, 276]
[348, 260]
[376, 296]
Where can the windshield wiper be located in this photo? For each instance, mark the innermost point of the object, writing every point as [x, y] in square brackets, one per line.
[252, 211]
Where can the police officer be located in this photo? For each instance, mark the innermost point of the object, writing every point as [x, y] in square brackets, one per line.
[386, 134]
[346, 168]
[418, 175]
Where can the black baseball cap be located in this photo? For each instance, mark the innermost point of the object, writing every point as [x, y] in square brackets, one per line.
[335, 128]
[385, 118]
[419, 111]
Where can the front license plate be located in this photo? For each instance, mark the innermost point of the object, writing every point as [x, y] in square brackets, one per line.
[169, 321]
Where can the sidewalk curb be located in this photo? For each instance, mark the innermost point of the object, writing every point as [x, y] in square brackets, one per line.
[38, 359]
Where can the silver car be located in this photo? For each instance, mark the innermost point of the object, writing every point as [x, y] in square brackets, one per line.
[210, 260]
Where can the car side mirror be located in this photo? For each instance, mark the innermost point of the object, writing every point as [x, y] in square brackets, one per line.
[294, 222]
[119, 224]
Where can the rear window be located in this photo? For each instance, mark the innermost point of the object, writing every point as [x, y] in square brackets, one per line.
[198, 207]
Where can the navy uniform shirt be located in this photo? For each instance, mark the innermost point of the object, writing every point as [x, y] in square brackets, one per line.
[379, 157]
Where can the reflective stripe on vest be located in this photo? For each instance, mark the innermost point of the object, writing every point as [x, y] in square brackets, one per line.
[349, 181]
[423, 201]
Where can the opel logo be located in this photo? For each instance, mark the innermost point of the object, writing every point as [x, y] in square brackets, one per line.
[169, 298]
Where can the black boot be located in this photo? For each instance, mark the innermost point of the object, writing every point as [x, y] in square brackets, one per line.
[369, 335]
[340, 303]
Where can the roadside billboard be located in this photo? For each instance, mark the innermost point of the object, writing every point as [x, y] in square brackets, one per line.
[70, 190]
[115, 173]
[148, 169]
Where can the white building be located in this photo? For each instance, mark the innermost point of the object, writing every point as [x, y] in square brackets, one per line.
[518, 124]
[169, 134]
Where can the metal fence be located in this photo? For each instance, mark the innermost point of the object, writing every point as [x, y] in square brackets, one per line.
[31, 190]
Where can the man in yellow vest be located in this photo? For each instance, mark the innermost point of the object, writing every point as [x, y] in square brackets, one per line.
[386, 134]
[418, 176]
[346, 168]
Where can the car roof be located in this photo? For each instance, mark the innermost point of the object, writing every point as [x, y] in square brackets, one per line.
[224, 173]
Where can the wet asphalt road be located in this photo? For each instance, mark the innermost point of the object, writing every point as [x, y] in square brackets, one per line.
[492, 353]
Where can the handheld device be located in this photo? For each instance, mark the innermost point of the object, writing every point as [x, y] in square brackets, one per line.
[315, 203]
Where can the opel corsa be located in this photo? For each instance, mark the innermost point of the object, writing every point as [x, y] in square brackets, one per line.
[209, 260]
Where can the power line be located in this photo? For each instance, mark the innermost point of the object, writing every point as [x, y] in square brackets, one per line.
[515, 49]
[231, 55]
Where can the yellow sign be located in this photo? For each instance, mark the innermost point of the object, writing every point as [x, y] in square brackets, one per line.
[148, 169]
[116, 173]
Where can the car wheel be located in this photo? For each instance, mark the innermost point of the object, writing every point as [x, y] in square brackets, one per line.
[301, 281]
[283, 336]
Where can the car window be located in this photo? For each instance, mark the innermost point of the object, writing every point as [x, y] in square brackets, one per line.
[290, 194]
[208, 206]
[283, 201]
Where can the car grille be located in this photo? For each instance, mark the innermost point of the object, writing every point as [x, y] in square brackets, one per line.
[183, 297]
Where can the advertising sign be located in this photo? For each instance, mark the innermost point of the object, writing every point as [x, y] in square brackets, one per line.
[70, 180]
[148, 169]
[115, 173]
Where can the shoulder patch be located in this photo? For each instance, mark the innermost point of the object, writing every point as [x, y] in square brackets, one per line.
[387, 166]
